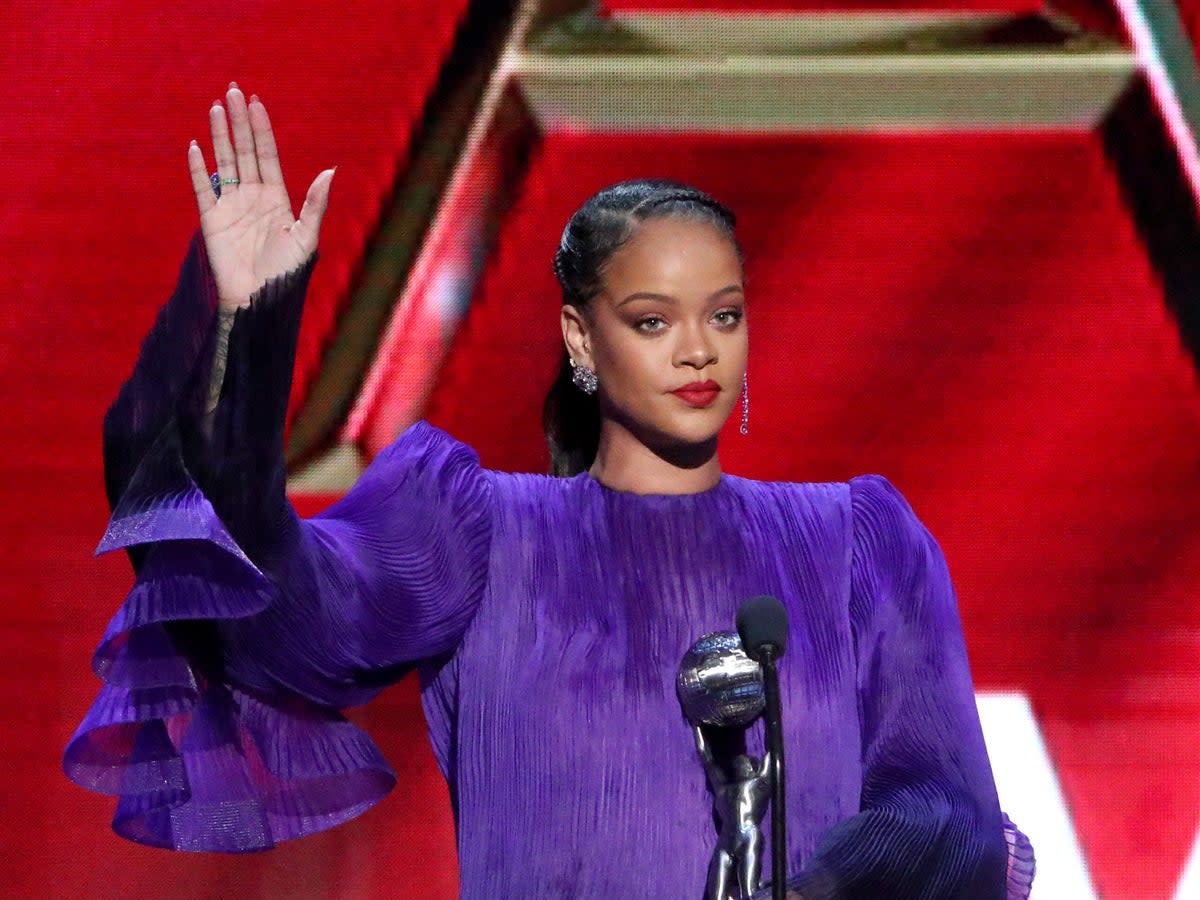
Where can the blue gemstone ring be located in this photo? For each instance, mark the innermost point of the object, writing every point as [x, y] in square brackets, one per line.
[216, 180]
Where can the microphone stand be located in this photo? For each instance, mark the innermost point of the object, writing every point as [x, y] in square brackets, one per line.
[771, 714]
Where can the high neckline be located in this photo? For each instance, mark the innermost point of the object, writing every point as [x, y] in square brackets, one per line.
[586, 477]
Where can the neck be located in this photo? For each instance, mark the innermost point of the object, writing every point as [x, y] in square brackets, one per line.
[624, 462]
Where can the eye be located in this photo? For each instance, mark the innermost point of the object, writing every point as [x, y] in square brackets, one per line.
[650, 324]
[729, 316]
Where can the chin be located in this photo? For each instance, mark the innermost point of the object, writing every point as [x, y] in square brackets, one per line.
[673, 428]
[692, 430]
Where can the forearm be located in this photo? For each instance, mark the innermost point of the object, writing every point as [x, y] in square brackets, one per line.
[207, 398]
[220, 356]
[164, 381]
[909, 848]
[236, 441]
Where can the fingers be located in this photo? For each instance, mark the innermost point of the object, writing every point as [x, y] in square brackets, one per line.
[264, 143]
[243, 136]
[222, 148]
[308, 226]
[201, 185]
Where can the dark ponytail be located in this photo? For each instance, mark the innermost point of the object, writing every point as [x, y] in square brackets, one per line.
[609, 218]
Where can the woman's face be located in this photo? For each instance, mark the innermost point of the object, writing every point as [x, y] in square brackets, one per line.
[670, 313]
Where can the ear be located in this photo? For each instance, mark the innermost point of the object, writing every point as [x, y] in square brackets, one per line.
[576, 335]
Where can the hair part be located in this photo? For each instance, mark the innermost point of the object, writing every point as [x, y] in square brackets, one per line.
[604, 223]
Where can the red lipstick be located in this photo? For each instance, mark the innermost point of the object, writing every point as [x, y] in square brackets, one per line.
[698, 393]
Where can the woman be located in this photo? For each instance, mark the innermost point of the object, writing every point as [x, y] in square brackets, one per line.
[546, 615]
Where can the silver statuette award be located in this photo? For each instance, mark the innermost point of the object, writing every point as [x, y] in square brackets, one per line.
[721, 691]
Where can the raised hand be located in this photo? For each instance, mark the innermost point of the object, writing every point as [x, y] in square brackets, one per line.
[249, 232]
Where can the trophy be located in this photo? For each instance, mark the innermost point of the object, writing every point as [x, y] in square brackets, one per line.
[719, 684]
[721, 691]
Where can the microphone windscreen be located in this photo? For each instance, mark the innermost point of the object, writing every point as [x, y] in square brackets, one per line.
[762, 621]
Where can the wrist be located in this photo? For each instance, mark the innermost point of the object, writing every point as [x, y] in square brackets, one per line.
[225, 320]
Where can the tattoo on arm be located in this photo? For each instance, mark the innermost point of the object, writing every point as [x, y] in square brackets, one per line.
[225, 319]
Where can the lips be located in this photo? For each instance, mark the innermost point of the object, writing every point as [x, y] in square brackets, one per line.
[698, 393]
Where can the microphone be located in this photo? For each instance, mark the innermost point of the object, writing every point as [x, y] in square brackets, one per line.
[762, 624]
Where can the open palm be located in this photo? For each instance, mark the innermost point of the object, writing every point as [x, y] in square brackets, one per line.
[249, 232]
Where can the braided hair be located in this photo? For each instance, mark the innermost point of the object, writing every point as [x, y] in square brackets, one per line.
[607, 220]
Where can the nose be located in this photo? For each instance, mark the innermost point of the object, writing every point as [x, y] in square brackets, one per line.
[695, 348]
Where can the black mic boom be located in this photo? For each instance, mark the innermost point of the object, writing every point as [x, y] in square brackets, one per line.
[762, 624]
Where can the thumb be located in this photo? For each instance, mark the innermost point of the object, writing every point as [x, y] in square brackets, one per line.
[308, 225]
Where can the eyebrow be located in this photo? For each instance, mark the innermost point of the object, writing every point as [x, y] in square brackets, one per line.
[650, 295]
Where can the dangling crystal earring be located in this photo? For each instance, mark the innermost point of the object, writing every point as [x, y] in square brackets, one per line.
[745, 429]
[583, 378]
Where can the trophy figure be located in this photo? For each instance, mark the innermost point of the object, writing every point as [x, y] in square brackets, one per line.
[740, 790]
[721, 691]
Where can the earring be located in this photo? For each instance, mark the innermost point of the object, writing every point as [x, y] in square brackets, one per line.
[583, 378]
[745, 429]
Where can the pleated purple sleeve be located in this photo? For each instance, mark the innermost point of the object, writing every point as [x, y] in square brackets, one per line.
[930, 824]
[216, 725]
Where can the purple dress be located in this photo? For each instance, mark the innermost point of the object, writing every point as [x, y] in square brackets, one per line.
[546, 618]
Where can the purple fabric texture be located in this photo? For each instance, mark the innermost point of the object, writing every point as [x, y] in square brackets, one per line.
[546, 618]
[1021, 863]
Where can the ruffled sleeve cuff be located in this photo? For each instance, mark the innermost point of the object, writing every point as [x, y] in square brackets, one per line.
[196, 762]
[199, 764]
[1021, 864]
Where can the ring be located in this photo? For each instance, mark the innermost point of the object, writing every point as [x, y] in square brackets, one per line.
[216, 180]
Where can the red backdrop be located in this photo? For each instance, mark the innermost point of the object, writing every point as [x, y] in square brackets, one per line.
[972, 315]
